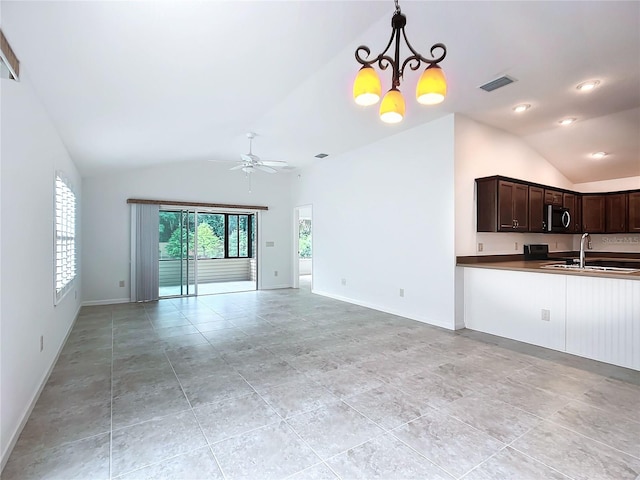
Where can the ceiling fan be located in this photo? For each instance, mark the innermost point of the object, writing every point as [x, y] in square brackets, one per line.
[250, 162]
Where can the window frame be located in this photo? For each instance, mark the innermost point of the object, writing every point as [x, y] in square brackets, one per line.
[65, 233]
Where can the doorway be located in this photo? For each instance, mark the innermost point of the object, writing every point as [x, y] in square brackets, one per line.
[205, 252]
[303, 254]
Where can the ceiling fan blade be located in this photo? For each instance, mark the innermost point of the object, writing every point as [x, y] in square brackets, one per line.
[273, 163]
[238, 167]
[266, 169]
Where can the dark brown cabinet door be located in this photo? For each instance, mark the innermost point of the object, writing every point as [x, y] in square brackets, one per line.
[513, 207]
[616, 213]
[506, 222]
[536, 209]
[571, 201]
[553, 197]
[521, 207]
[633, 208]
[593, 209]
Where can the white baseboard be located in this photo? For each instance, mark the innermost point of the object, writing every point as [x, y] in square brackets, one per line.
[34, 400]
[276, 287]
[380, 308]
[112, 301]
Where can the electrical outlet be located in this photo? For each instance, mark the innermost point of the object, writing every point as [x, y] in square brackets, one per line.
[41, 342]
[275, 273]
[480, 247]
[546, 315]
[344, 281]
[402, 292]
[516, 246]
[122, 283]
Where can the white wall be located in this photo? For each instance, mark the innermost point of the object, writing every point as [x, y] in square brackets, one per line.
[483, 151]
[106, 218]
[619, 184]
[31, 153]
[383, 220]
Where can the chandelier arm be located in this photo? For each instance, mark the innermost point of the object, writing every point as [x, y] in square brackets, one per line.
[431, 61]
[388, 62]
[417, 61]
[363, 60]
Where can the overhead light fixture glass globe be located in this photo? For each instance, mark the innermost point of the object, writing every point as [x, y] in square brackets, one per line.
[366, 87]
[392, 107]
[523, 107]
[599, 155]
[432, 86]
[588, 85]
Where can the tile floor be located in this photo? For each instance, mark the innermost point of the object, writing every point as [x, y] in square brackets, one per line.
[286, 384]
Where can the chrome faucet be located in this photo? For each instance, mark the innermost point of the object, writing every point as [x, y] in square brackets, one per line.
[584, 237]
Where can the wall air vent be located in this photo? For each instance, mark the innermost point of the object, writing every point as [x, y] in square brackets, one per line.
[321, 155]
[497, 83]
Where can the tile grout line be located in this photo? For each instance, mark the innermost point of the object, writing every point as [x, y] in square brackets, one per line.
[283, 419]
[111, 399]
[564, 427]
[215, 458]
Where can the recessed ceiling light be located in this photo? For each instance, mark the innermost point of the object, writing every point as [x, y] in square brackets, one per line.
[523, 107]
[567, 121]
[588, 85]
[599, 155]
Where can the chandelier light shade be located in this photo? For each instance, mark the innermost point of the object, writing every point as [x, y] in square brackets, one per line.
[430, 90]
[366, 87]
[432, 86]
[392, 107]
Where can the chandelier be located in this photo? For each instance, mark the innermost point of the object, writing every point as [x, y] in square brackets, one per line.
[430, 90]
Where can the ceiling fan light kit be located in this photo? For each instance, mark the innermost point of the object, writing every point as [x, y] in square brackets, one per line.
[249, 162]
[432, 85]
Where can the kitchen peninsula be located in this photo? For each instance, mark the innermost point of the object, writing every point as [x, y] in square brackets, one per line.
[593, 314]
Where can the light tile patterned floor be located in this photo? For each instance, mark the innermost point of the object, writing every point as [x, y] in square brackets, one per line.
[286, 384]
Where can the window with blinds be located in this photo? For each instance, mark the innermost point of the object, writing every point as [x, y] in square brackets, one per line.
[65, 236]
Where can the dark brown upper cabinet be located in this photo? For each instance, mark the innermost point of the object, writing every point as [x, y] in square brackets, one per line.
[571, 201]
[633, 209]
[593, 213]
[536, 209]
[616, 213]
[553, 197]
[512, 205]
[502, 206]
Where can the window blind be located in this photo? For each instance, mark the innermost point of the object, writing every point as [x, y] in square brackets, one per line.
[65, 218]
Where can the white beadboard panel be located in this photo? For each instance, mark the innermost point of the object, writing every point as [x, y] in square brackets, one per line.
[509, 304]
[603, 320]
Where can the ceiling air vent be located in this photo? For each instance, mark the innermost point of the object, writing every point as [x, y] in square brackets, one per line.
[321, 155]
[497, 83]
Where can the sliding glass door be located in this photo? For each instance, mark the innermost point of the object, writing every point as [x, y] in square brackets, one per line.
[177, 239]
[206, 252]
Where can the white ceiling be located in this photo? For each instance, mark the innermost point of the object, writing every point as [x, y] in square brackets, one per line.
[132, 84]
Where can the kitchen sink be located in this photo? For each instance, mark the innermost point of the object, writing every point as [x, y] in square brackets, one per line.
[591, 268]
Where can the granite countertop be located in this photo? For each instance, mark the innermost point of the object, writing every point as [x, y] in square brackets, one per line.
[536, 266]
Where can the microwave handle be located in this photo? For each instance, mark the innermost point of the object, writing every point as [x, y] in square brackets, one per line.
[566, 219]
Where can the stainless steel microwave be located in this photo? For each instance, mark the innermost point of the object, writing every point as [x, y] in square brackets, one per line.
[558, 219]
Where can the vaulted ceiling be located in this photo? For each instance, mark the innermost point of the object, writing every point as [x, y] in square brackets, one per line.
[132, 84]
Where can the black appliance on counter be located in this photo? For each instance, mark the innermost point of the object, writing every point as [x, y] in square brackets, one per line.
[558, 219]
[540, 251]
[536, 251]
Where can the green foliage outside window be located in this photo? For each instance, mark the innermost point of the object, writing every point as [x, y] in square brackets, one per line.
[209, 244]
[304, 243]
